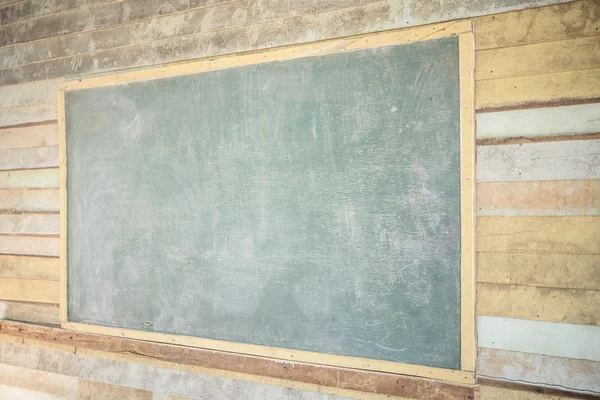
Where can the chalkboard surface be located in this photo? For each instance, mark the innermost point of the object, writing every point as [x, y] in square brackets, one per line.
[309, 204]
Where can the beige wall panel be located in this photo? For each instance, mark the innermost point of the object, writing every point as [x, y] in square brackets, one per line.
[13, 393]
[543, 24]
[32, 290]
[29, 93]
[29, 245]
[539, 234]
[553, 270]
[28, 158]
[37, 313]
[537, 303]
[39, 381]
[540, 370]
[90, 390]
[543, 198]
[29, 267]
[538, 58]
[42, 135]
[27, 113]
[538, 89]
[46, 200]
[29, 179]
[496, 393]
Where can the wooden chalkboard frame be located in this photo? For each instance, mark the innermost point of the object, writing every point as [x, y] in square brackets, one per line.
[464, 31]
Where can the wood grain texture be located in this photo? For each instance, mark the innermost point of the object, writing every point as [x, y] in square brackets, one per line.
[37, 313]
[30, 224]
[539, 234]
[28, 113]
[29, 158]
[29, 267]
[324, 376]
[39, 381]
[90, 390]
[42, 135]
[565, 120]
[543, 161]
[538, 58]
[29, 179]
[28, 9]
[553, 270]
[36, 200]
[545, 89]
[543, 198]
[540, 370]
[558, 22]
[29, 245]
[497, 393]
[31, 290]
[539, 337]
[572, 306]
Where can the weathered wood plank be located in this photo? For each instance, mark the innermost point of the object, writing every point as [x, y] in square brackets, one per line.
[27, 114]
[571, 306]
[40, 135]
[32, 290]
[29, 179]
[543, 161]
[539, 234]
[374, 384]
[539, 337]
[37, 313]
[87, 18]
[44, 200]
[561, 373]
[555, 270]
[542, 198]
[29, 93]
[39, 381]
[26, 9]
[547, 89]
[29, 245]
[498, 393]
[559, 22]
[565, 120]
[538, 58]
[29, 158]
[14, 393]
[90, 390]
[30, 224]
[29, 267]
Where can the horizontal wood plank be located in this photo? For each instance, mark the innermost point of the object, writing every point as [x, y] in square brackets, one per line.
[27, 114]
[36, 200]
[29, 158]
[565, 120]
[539, 337]
[210, 362]
[554, 270]
[37, 313]
[499, 393]
[39, 135]
[15, 393]
[29, 245]
[90, 390]
[39, 381]
[538, 58]
[542, 24]
[29, 93]
[543, 198]
[29, 267]
[571, 306]
[540, 370]
[29, 179]
[539, 234]
[30, 224]
[21, 10]
[541, 161]
[545, 89]
[31, 290]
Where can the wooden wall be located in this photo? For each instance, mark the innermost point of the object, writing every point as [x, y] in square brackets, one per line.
[538, 167]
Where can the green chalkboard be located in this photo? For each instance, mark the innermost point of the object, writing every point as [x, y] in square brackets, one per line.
[310, 204]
